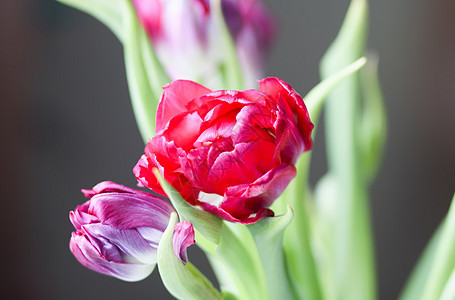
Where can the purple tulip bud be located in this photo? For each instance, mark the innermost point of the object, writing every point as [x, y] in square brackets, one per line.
[118, 231]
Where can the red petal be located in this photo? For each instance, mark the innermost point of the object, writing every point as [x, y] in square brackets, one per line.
[274, 88]
[175, 98]
[243, 200]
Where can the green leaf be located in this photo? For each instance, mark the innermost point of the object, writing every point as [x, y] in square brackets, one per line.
[443, 263]
[434, 274]
[229, 296]
[152, 66]
[373, 122]
[182, 281]
[229, 247]
[144, 74]
[268, 235]
[448, 293]
[323, 230]
[226, 278]
[297, 243]
[108, 12]
[315, 98]
[415, 286]
[299, 255]
[353, 243]
[239, 254]
[208, 225]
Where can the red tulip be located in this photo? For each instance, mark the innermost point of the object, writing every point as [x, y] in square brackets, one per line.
[230, 152]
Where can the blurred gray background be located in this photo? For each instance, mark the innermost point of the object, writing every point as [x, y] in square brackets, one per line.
[66, 124]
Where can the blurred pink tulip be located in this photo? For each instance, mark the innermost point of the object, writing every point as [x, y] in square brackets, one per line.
[188, 44]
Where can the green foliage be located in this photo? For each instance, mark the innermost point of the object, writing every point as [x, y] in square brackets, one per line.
[297, 240]
[352, 248]
[210, 226]
[230, 245]
[372, 120]
[433, 276]
[182, 281]
[145, 74]
[268, 236]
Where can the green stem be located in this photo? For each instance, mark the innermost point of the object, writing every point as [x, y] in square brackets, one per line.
[297, 238]
[142, 95]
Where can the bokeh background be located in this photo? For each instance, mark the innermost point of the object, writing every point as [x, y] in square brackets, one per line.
[66, 124]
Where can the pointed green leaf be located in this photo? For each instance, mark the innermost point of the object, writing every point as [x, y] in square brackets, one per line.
[417, 281]
[443, 263]
[314, 99]
[268, 234]
[182, 281]
[208, 225]
[434, 270]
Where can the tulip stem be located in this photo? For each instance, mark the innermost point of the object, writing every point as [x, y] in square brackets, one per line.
[145, 74]
[297, 238]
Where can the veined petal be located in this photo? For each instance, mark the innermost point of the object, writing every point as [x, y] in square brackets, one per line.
[163, 155]
[274, 88]
[176, 96]
[217, 211]
[129, 243]
[240, 145]
[243, 200]
[109, 187]
[80, 216]
[118, 230]
[130, 211]
[183, 130]
[182, 239]
[88, 256]
[289, 142]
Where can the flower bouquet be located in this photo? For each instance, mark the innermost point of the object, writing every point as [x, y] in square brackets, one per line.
[227, 156]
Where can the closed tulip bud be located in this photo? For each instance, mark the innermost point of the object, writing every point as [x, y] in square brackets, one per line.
[118, 231]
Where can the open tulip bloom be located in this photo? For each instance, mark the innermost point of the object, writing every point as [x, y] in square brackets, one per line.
[226, 167]
[230, 152]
